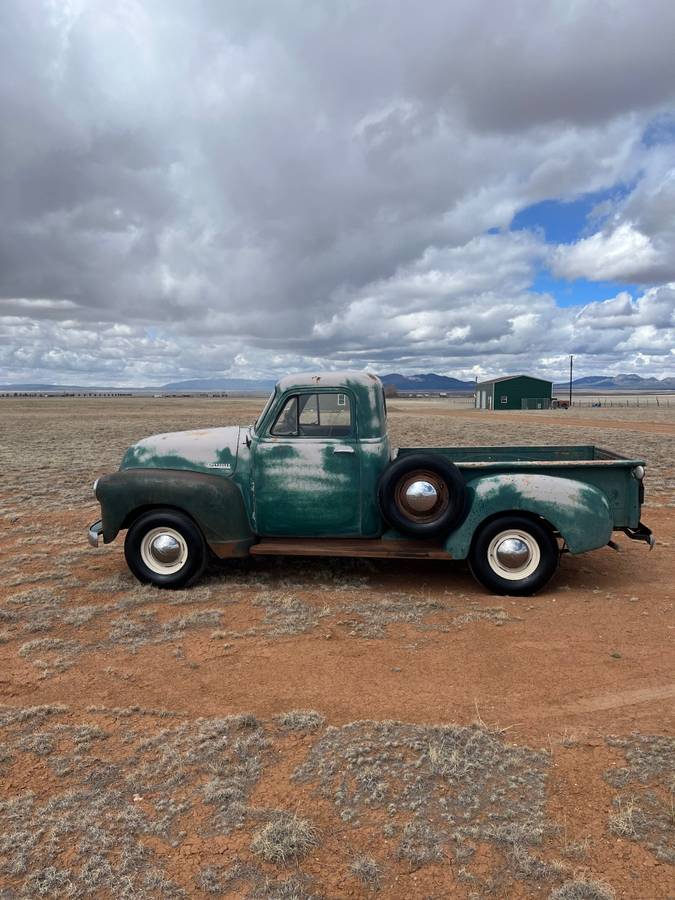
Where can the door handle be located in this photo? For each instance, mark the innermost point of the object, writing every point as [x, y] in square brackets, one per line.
[343, 449]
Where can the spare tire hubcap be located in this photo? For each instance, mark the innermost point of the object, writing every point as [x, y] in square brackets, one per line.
[421, 496]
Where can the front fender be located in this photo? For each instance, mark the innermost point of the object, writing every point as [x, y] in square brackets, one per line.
[215, 503]
[579, 512]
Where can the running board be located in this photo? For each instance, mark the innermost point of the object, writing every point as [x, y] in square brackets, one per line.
[396, 549]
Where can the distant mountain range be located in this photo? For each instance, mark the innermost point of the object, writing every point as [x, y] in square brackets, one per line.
[428, 382]
[620, 383]
[423, 382]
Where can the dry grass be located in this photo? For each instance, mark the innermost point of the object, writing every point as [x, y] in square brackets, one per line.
[287, 838]
[452, 787]
[644, 810]
[136, 773]
[301, 720]
[583, 888]
[105, 809]
[368, 871]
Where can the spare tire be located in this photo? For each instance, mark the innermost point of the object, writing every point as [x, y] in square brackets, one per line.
[422, 495]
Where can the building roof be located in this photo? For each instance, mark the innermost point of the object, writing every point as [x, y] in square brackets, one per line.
[512, 378]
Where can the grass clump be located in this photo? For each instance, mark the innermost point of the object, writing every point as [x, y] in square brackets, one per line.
[286, 614]
[627, 819]
[582, 888]
[301, 720]
[368, 871]
[287, 838]
[420, 845]
[247, 880]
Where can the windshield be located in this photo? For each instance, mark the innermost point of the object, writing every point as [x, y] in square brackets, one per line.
[262, 415]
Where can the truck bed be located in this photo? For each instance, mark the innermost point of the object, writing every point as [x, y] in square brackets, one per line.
[608, 471]
[551, 455]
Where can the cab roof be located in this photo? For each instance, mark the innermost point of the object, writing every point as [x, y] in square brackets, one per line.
[328, 379]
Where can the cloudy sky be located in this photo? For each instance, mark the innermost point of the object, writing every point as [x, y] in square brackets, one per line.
[215, 187]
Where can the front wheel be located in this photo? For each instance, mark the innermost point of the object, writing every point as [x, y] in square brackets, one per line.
[165, 548]
[514, 555]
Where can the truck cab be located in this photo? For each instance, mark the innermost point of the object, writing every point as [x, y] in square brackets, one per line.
[316, 453]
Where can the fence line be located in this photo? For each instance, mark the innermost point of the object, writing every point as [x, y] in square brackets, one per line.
[633, 402]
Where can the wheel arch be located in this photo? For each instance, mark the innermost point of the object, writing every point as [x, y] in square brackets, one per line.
[521, 514]
[578, 513]
[139, 511]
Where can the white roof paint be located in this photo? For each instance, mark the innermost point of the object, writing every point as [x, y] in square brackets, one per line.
[327, 379]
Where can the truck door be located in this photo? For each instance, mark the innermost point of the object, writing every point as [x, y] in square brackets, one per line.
[306, 468]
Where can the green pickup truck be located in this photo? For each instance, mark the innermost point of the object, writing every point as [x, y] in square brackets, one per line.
[316, 476]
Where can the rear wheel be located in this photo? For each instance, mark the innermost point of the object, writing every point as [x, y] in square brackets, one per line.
[165, 548]
[514, 555]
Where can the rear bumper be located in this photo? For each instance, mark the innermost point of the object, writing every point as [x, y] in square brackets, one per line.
[641, 533]
[94, 533]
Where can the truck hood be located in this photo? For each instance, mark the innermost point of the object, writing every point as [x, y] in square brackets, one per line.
[211, 450]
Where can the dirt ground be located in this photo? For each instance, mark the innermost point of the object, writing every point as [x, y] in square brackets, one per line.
[328, 728]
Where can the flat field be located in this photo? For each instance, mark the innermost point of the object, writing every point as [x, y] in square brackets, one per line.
[318, 728]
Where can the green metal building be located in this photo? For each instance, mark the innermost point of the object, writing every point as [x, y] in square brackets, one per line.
[514, 392]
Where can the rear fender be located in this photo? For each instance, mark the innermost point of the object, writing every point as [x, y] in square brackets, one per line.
[213, 502]
[579, 512]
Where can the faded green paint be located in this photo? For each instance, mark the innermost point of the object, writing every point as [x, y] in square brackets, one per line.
[580, 512]
[613, 477]
[215, 503]
[375, 457]
[238, 484]
[304, 489]
[212, 450]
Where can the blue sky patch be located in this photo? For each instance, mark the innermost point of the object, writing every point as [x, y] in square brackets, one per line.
[660, 130]
[578, 292]
[563, 222]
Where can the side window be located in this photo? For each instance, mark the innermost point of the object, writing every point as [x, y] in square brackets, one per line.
[286, 423]
[315, 415]
[335, 415]
[309, 411]
[504, 399]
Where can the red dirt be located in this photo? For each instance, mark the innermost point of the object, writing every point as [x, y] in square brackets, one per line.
[589, 657]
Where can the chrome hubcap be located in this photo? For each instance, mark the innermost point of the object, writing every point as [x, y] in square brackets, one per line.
[514, 554]
[421, 496]
[165, 548]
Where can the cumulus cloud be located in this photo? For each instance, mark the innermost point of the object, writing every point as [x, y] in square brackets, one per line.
[623, 254]
[250, 188]
[637, 241]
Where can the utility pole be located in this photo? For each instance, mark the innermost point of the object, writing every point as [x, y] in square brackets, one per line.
[571, 358]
